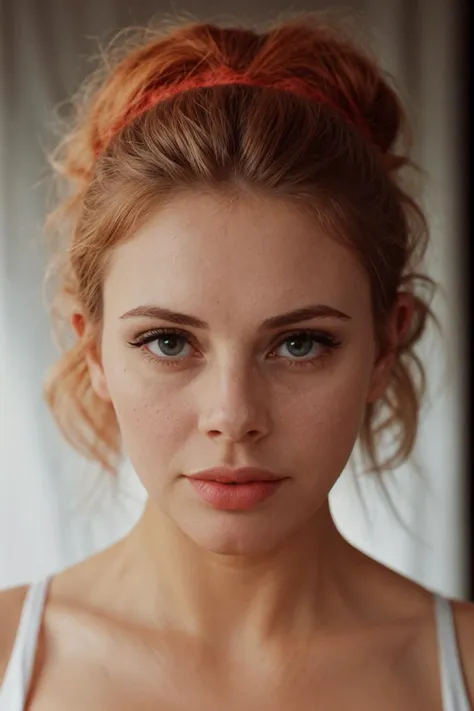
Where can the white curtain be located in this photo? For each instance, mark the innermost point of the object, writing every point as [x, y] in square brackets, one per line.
[56, 509]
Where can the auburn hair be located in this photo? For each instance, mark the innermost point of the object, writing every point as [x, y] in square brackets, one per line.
[344, 157]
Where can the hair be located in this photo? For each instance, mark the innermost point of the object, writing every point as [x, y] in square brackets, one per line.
[119, 166]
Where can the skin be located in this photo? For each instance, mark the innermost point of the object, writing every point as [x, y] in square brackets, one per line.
[262, 609]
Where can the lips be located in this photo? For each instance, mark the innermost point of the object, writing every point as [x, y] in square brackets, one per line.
[234, 497]
[237, 489]
[243, 475]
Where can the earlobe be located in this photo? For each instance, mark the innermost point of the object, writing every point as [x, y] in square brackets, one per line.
[93, 360]
[78, 323]
[380, 377]
[97, 375]
[398, 327]
[404, 315]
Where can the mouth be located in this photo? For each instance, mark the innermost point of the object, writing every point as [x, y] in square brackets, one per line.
[232, 495]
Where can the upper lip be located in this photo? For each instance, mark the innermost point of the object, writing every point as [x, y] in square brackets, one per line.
[241, 476]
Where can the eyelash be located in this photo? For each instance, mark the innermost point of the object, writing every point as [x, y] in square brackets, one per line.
[324, 339]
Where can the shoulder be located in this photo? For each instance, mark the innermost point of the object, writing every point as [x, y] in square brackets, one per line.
[11, 604]
[463, 613]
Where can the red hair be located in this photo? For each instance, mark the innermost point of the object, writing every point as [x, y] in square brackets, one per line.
[225, 76]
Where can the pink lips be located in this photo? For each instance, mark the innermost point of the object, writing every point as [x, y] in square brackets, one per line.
[234, 489]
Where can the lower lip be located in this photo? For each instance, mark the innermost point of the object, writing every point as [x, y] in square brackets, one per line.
[234, 497]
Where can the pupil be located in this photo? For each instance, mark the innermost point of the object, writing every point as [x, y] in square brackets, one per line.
[174, 340]
[299, 340]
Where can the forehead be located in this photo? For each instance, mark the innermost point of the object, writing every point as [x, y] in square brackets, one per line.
[210, 250]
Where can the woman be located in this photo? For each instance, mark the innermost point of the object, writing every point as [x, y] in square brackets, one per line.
[241, 279]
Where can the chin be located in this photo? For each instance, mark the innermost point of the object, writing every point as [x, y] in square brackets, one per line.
[234, 534]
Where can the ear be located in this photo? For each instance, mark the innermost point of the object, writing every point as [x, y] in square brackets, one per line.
[93, 358]
[398, 325]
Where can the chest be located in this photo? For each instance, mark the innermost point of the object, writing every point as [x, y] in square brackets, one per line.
[173, 679]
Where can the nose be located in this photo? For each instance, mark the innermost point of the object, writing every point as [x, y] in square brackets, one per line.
[234, 409]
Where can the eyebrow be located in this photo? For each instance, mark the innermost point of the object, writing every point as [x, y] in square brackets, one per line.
[287, 319]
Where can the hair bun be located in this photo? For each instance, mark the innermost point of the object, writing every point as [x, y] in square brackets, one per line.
[332, 62]
[308, 51]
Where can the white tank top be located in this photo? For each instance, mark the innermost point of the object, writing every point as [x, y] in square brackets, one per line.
[16, 681]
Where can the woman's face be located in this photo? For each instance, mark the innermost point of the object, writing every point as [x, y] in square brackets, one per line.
[234, 392]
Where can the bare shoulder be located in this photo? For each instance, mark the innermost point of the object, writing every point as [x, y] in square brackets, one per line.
[464, 622]
[11, 603]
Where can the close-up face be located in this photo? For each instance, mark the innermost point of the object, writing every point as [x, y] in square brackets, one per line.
[235, 392]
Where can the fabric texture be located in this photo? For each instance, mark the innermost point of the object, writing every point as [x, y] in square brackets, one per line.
[15, 686]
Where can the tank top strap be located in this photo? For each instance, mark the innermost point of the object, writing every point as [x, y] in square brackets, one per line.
[453, 687]
[14, 689]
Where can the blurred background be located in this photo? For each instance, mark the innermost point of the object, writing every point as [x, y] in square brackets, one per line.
[56, 508]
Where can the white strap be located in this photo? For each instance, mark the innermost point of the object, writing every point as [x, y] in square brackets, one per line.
[14, 689]
[452, 682]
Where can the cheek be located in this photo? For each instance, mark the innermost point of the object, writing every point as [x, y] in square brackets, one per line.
[153, 416]
[150, 413]
[154, 430]
[325, 423]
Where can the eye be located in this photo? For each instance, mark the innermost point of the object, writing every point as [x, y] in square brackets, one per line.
[169, 344]
[302, 344]
[163, 346]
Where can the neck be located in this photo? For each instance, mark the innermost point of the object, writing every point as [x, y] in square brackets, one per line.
[294, 589]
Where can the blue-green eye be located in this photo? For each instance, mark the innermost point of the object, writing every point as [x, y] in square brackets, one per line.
[170, 345]
[301, 344]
